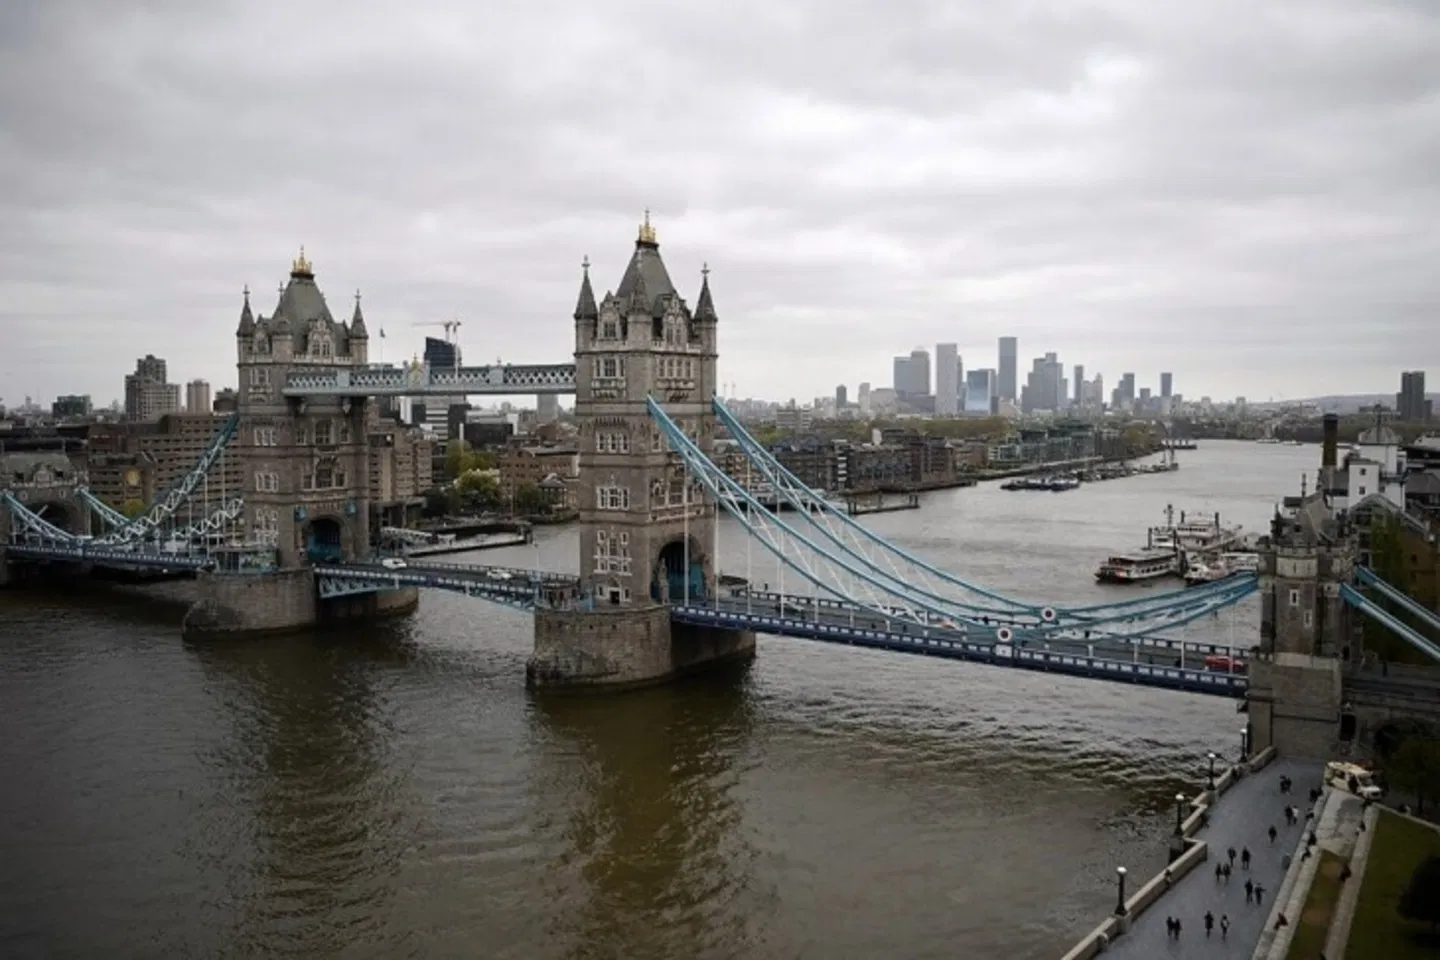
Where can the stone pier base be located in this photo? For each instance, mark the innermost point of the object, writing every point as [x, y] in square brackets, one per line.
[233, 605]
[1294, 702]
[613, 648]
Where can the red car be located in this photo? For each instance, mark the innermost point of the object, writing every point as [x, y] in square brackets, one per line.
[1222, 663]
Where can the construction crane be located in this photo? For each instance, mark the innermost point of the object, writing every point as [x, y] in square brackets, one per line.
[451, 327]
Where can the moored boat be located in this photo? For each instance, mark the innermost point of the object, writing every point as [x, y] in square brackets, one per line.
[1138, 567]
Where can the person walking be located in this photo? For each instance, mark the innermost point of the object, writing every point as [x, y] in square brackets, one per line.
[1272, 834]
[1219, 872]
[1231, 854]
[1177, 928]
[1224, 925]
[1249, 891]
[1245, 858]
[1259, 892]
[1228, 871]
[1209, 923]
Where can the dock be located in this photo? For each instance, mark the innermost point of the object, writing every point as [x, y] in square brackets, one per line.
[481, 541]
[858, 506]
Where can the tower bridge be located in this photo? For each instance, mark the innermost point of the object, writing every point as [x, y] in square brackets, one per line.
[296, 546]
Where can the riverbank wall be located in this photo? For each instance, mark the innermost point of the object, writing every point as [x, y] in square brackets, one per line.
[1186, 855]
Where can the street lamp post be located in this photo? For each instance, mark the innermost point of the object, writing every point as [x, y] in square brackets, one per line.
[1244, 742]
[1212, 758]
[1120, 896]
[1179, 813]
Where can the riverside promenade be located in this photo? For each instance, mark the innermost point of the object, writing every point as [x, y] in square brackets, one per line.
[1242, 818]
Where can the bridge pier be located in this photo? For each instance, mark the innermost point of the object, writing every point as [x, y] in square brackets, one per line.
[624, 647]
[239, 605]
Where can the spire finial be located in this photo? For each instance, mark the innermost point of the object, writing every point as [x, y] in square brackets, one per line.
[647, 232]
[585, 264]
[300, 266]
[705, 271]
[357, 296]
[280, 289]
[246, 291]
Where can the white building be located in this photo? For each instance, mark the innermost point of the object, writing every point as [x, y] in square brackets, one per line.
[1374, 466]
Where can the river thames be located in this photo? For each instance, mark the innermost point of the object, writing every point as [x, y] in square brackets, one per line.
[391, 790]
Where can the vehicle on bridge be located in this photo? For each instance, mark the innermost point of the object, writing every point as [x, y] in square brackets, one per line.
[1354, 778]
[1224, 663]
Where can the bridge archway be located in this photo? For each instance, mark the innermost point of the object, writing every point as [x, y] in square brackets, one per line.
[669, 576]
[326, 540]
[65, 514]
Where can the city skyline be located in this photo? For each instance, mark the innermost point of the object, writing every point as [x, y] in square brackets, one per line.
[1121, 186]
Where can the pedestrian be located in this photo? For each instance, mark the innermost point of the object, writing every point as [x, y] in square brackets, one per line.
[1228, 871]
[1280, 921]
[1272, 835]
[1245, 858]
[1219, 872]
[1249, 891]
[1231, 854]
[1224, 925]
[1259, 892]
[1170, 927]
[1209, 923]
[1177, 928]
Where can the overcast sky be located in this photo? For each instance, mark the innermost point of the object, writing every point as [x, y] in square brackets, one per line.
[1245, 193]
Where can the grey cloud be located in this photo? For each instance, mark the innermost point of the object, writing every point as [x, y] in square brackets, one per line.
[1135, 185]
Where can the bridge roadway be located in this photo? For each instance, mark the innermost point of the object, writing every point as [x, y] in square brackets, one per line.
[126, 556]
[509, 585]
[1073, 638]
[1113, 659]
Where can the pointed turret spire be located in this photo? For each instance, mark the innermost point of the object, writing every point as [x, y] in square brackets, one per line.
[357, 322]
[585, 308]
[639, 296]
[247, 319]
[705, 306]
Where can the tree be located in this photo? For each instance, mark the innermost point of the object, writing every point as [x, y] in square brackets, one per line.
[1421, 899]
[529, 499]
[1415, 768]
[455, 454]
[479, 489]
[460, 459]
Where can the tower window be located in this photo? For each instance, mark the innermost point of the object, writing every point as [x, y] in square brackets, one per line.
[1294, 598]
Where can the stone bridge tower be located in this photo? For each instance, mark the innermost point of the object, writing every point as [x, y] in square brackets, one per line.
[1296, 692]
[647, 530]
[306, 462]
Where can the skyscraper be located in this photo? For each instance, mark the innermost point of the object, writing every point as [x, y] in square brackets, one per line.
[1009, 352]
[840, 398]
[197, 396]
[1045, 386]
[1079, 384]
[1410, 402]
[947, 380]
[148, 395]
[1166, 382]
[980, 392]
[912, 374]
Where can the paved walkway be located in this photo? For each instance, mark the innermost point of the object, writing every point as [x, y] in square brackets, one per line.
[1241, 819]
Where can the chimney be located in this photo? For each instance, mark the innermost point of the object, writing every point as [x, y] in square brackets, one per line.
[1331, 440]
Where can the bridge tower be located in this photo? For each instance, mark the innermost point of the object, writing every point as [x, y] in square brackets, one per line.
[306, 461]
[647, 530]
[306, 471]
[1295, 694]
